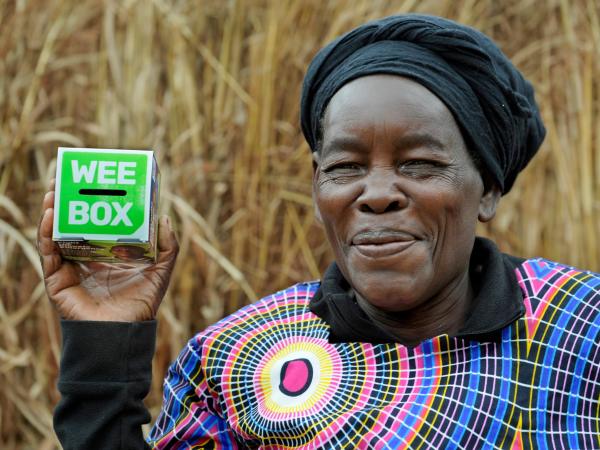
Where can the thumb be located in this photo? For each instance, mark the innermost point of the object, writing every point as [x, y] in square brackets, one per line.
[168, 247]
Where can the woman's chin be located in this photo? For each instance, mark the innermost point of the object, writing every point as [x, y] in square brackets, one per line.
[391, 288]
[387, 297]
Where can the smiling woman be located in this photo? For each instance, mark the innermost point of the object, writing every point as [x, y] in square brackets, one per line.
[399, 198]
[420, 334]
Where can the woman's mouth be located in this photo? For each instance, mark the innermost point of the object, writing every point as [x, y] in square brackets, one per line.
[379, 244]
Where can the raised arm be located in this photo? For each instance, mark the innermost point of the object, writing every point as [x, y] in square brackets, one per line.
[107, 313]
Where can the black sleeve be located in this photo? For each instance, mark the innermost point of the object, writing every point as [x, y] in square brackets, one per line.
[105, 373]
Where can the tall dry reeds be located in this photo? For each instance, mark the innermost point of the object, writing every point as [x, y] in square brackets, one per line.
[213, 86]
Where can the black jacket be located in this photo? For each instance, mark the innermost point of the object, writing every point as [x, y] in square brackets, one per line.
[105, 373]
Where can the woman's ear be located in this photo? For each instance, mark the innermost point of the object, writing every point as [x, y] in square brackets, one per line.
[315, 166]
[489, 202]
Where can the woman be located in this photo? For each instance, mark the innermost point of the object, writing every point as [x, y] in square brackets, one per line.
[420, 334]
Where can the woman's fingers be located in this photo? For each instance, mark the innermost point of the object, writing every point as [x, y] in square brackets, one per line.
[50, 257]
[48, 201]
[47, 248]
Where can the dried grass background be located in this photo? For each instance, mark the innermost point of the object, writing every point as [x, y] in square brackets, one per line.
[213, 86]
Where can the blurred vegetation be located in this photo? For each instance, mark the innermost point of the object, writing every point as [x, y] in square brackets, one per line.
[213, 86]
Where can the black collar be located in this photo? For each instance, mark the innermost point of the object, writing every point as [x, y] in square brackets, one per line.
[498, 300]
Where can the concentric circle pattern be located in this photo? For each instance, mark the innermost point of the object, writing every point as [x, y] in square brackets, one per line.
[269, 374]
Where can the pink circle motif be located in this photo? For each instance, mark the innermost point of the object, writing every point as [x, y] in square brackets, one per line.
[298, 375]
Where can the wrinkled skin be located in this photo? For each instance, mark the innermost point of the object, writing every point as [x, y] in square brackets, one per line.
[101, 291]
[399, 198]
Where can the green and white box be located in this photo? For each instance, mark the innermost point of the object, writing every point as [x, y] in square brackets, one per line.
[105, 206]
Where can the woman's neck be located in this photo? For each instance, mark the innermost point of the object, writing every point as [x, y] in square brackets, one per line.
[443, 314]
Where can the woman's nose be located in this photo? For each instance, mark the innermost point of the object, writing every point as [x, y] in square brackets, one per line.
[382, 194]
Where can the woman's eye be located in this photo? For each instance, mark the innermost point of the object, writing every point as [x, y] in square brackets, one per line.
[417, 163]
[342, 167]
[343, 172]
[420, 167]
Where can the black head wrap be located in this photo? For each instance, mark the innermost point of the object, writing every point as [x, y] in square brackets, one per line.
[490, 100]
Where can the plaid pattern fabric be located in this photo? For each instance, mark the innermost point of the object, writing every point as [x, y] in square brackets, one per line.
[266, 377]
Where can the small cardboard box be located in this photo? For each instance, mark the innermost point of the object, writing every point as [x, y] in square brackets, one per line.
[105, 206]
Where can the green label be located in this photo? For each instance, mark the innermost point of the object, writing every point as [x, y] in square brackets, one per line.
[102, 193]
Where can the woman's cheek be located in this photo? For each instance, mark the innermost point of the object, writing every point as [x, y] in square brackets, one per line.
[334, 198]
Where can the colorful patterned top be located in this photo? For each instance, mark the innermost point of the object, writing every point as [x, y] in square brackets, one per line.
[269, 377]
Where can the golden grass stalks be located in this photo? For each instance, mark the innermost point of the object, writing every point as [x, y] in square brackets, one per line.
[213, 86]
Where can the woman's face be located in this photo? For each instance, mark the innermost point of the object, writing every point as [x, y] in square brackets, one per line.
[397, 192]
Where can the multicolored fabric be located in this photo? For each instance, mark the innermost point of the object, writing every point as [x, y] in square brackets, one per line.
[267, 377]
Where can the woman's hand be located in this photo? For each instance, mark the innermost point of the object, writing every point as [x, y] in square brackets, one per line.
[118, 292]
